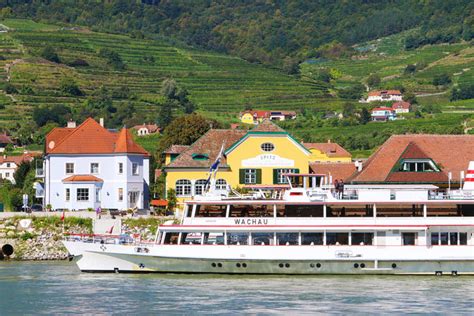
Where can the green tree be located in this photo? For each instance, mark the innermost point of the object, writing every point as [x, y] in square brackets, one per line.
[365, 116]
[410, 69]
[348, 109]
[291, 66]
[166, 114]
[50, 54]
[69, 87]
[20, 173]
[441, 79]
[169, 88]
[113, 58]
[373, 80]
[171, 198]
[9, 88]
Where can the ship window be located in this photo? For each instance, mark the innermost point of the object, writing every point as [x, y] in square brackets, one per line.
[171, 238]
[312, 238]
[214, 238]
[191, 238]
[435, 239]
[409, 239]
[251, 211]
[287, 239]
[453, 238]
[262, 239]
[443, 237]
[302, 211]
[362, 239]
[236, 238]
[463, 238]
[337, 239]
[199, 186]
[210, 210]
[183, 187]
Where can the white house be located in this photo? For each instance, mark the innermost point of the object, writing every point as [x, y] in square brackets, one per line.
[401, 107]
[146, 129]
[9, 165]
[384, 95]
[383, 114]
[89, 167]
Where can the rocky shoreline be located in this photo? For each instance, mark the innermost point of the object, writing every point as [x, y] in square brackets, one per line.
[39, 238]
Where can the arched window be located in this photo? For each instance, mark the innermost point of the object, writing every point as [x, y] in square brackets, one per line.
[183, 187]
[221, 184]
[199, 186]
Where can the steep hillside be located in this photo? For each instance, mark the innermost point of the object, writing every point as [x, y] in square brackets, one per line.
[220, 85]
[263, 30]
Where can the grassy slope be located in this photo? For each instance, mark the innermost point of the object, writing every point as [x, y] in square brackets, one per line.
[221, 85]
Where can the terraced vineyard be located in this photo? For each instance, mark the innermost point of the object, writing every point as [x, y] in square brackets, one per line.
[220, 85]
[387, 58]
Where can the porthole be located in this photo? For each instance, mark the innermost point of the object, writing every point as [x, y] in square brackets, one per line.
[244, 265]
[362, 265]
[356, 265]
[287, 265]
[213, 265]
[281, 265]
[267, 147]
[219, 265]
[237, 265]
[394, 265]
[318, 265]
[312, 265]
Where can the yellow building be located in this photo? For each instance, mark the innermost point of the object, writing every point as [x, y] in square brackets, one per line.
[328, 152]
[259, 156]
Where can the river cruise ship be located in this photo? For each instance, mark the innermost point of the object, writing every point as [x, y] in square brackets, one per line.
[304, 227]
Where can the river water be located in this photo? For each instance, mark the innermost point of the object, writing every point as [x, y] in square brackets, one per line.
[59, 288]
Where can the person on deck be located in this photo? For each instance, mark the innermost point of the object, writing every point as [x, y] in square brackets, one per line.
[336, 188]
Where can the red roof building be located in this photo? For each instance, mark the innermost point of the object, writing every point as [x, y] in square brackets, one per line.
[418, 159]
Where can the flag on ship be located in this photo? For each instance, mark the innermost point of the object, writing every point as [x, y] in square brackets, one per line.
[215, 166]
[63, 216]
[111, 230]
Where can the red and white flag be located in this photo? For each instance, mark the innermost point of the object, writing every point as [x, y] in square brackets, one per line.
[63, 216]
[111, 230]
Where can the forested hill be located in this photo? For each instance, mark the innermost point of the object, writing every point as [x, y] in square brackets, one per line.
[279, 32]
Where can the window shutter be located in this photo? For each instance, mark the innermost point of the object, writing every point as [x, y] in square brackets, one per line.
[241, 176]
[275, 176]
[259, 176]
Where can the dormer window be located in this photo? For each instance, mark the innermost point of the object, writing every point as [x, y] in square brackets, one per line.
[200, 156]
[418, 165]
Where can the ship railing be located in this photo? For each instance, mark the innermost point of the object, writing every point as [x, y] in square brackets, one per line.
[123, 239]
[452, 195]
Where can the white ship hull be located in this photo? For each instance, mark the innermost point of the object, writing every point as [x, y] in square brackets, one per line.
[311, 260]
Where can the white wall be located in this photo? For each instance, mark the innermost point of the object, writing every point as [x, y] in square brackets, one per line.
[4, 170]
[108, 172]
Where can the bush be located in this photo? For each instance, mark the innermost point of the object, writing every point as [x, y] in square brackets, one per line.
[78, 63]
[50, 54]
[10, 89]
[441, 79]
[113, 58]
[69, 87]
[465, 91]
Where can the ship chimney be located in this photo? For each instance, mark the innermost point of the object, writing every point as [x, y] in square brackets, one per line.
[469, 178]
[71, 124]
[101, 121]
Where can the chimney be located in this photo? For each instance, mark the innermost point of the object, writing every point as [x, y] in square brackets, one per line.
[329, 141]
[101, 121]
[358, 165]
[71, 124]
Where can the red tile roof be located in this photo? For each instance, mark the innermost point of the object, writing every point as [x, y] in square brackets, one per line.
[91, 138]
[338, 171]
[451, 153]
[5, 139]
[401, 105]
[17, 159]
[152, 128]
[380, 92]
[82, 178]
[267, 126]
[176, 149]
[330, 149]
[382, 109]
[209, 144]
